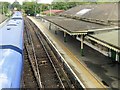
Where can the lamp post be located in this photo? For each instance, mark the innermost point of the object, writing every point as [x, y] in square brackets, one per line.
[35, 7]
[50, 9]
[3, 9]
[46, 2]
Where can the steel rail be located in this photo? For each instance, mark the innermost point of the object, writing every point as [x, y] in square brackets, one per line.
[41, 41]
[30, 59]
[77, 78]
[35, 59]
[50, 59]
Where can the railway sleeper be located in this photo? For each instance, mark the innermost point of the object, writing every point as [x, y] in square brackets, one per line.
[44, 64]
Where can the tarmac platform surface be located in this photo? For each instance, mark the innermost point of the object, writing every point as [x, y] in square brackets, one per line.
[100, 66]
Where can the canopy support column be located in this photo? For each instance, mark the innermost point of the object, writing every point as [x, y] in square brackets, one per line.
[49, 26]
[117, 56]
[65, 37]
[82, 39]
[109, 53]
[56, 32]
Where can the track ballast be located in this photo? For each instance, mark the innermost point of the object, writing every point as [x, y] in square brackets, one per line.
[41, 66]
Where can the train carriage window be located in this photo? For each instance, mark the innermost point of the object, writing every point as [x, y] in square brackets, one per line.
[17, 18]
[11, 25]
[8, 28]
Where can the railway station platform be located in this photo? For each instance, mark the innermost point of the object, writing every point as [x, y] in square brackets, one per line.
[88, 78]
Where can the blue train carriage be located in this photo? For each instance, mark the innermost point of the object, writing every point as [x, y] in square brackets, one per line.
[17, 14]
[11, 53]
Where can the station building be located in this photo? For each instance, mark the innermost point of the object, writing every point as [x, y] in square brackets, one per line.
[53, 12]
[96, 25]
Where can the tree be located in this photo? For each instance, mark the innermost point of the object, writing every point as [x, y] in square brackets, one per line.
[4, 7]
[30, 8]
[64, 5]
[16, 5]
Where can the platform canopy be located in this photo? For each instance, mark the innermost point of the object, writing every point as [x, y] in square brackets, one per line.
[77, 27]
[100, 22]
[89, 18]
[108, 39]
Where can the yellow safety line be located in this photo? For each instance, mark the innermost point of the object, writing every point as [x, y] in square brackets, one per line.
[76, 59]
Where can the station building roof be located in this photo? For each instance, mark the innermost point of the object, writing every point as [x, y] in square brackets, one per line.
[104, 12]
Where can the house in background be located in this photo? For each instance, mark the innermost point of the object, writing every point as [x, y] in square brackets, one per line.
[53, 12]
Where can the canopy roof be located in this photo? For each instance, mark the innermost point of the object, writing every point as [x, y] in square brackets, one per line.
[76, 27]
[104, 12]
[109, 39]
[95, 20]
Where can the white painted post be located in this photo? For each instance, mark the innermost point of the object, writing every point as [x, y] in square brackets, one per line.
[117, 56]
[50, 9]
[65, 37]
[81, 45]
[109, 52]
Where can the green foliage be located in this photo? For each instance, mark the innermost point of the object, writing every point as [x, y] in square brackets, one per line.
[4, 7]
[44, 7]
[16, 5]
[36, 8]
[64, 5]
[31, 8]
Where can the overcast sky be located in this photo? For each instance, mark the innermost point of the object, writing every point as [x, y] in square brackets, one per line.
[20, 1]
[11, 1]
[49, 1]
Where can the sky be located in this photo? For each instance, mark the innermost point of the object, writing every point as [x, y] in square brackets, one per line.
[20, 1]
[49, 1]
[11, 1]
[44, 1]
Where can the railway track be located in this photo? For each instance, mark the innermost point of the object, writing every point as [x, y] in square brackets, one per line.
[41, 64]
[30, 77]
[28, 72]
[102, 84]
